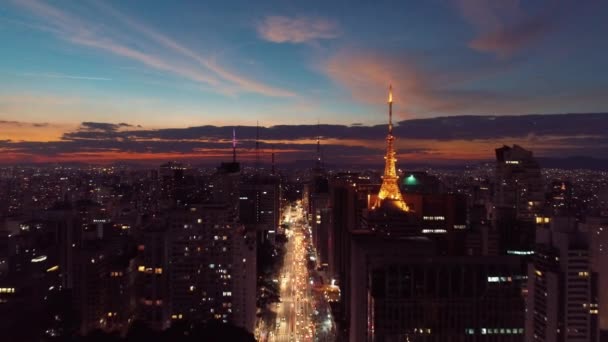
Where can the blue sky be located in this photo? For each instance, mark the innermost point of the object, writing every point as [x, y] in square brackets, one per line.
[163, 64]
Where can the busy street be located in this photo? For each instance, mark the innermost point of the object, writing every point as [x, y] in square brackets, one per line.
[298, 309]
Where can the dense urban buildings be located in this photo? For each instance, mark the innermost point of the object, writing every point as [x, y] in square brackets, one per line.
[304, 171]
[503, 251]
[119, 246]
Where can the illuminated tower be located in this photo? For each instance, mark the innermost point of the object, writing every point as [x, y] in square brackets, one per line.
[389, 191]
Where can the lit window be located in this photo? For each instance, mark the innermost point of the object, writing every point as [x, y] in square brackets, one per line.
[52, 269]
[434, 231]
[433, 218]
[39, 258]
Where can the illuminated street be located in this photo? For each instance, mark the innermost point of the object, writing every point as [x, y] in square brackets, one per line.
[295, 312]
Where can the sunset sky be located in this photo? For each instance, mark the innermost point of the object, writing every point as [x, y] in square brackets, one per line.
[102, 81]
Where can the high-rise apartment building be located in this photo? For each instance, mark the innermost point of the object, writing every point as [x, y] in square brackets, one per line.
[260, 205]
[597, 228]
[152, 281]
[562, 302]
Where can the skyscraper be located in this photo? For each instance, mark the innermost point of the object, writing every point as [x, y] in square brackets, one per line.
[519, 198]
[519, 184]
[597, 228]
[562, 302]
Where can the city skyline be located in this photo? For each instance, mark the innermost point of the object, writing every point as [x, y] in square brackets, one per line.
[314, 171]
[101, 82]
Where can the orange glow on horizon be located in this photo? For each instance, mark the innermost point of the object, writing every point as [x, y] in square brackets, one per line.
[107, 157]
[30, 132]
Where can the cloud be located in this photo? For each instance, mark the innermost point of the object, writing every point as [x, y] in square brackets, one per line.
[506, 42]
[460, 138]
[503, 27]
[422, 88]
[21, 124]
[418, 89]
[280, 29]
[197, 68]
[101, 126]
[73, 77]
[30, 131]
[467, 127]
[11, 123]
[243, 82]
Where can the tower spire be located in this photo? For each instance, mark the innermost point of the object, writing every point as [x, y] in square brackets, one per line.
[318, 162]
[257, 146]
[390, 189]
[272, 160]
[390, 109]
[233, 145]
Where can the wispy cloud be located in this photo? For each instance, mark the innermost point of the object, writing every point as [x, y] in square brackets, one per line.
[504, 27]
[59, 75]
[280, 29]
[367, 76]
[204, 71]
[423, 90]
[103, 126]
[31, 131]
[22, 124]
[244, 83]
